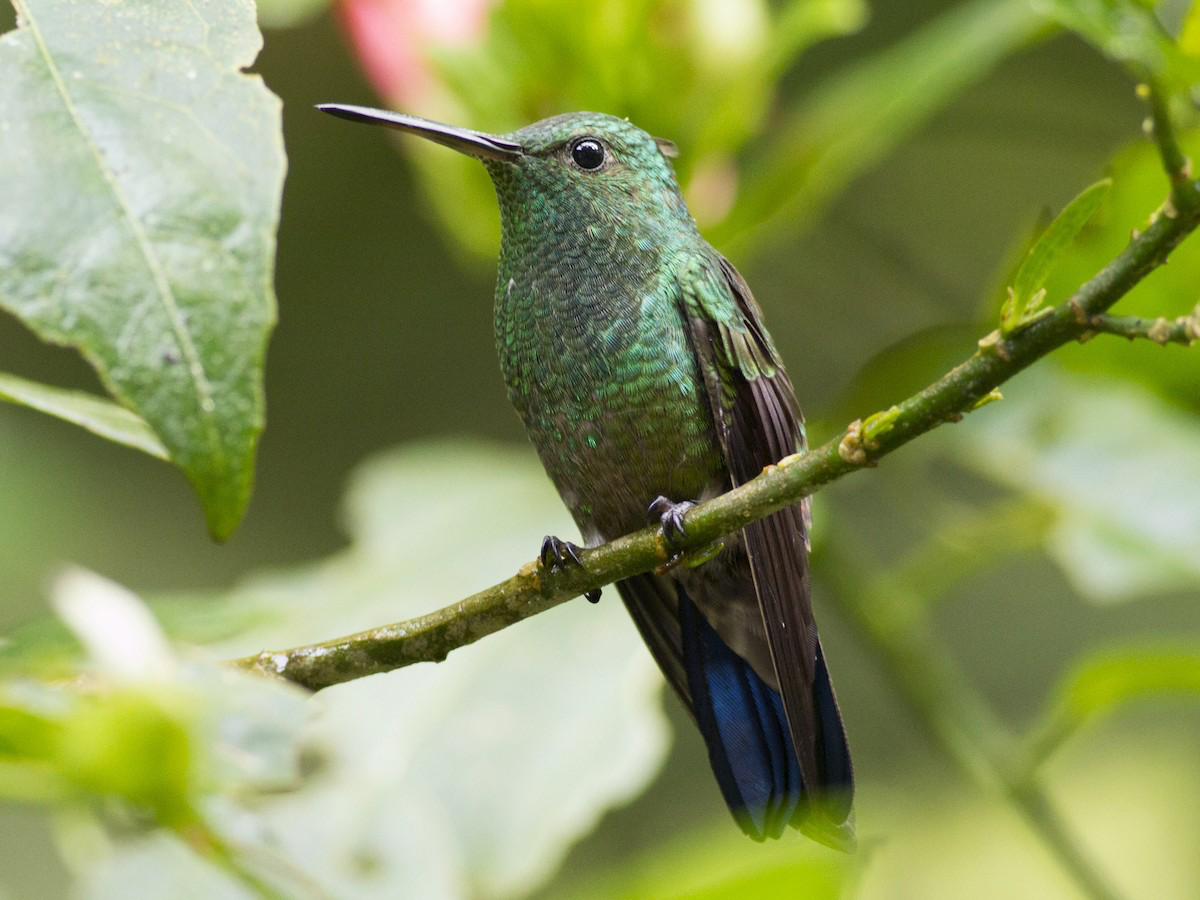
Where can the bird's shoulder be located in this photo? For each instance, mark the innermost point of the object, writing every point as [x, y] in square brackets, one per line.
[715, 293]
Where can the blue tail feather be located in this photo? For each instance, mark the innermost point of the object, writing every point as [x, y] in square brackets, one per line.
[749, 743]
[743, 723]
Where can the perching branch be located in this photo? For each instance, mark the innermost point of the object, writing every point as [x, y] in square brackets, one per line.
[532, 590]
[973, 383]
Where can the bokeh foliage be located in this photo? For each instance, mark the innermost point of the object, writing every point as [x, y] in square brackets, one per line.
[962, 569]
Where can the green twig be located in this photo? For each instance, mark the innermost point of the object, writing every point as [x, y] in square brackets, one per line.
[1184, 330]
[1030, 798]
[894, 623]
[431, 637]
[1177, 166]
[233, 859]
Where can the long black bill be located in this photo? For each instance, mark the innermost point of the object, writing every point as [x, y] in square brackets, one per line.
[472, 143]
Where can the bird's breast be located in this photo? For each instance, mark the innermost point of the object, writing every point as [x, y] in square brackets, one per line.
[611, 396]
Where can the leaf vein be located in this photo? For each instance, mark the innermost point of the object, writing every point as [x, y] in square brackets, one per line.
[187, 348]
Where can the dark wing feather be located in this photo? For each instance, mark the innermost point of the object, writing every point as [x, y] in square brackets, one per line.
[759, 423]
[653, 606]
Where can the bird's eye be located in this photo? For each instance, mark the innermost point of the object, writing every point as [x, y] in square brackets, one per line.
[588, 153]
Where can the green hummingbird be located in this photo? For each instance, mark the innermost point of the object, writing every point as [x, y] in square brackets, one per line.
[637, 359]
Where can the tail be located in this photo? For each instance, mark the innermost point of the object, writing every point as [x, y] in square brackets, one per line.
[750, 747]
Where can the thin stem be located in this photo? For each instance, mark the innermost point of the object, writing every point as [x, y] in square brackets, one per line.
[1031, 799]
[894, 624]
[1184, 330]
[1177, 166]
[227, 856]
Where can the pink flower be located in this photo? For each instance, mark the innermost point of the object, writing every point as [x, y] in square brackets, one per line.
[392, 38]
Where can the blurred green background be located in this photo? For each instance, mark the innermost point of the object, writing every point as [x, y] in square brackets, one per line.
[385, 339]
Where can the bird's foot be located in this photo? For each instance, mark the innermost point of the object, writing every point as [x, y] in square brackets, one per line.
[666, 512]
[669, 514]
[557, 555]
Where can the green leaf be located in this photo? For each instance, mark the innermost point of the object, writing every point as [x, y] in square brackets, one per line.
[1114, 464]
[799, 25]
[289, 13]
[28, 741]
[1102, 682]
[98, 416]
[1189, 33]
[712, 864]
[240, 723]
[143, 731]
[469, 778]
[135, 745]
[1130, 33]
[141, 191]
[24, 733]
[1054, 241]
[1139, 187]
[1025, 295]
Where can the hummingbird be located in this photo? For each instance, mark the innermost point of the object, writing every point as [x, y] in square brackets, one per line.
[637, 359]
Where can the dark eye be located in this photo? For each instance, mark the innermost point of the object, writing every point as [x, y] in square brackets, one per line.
[588, 153]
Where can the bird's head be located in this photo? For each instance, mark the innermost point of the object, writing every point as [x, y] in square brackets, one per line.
[568, 171]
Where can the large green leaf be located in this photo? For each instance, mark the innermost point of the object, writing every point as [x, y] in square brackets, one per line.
[141, 183]
[1116, 465]
[470, 778]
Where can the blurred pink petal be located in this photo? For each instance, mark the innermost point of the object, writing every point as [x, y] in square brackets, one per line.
[391, 38]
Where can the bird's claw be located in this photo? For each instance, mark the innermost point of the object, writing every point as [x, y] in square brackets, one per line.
[669, 514]
[557, 555]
